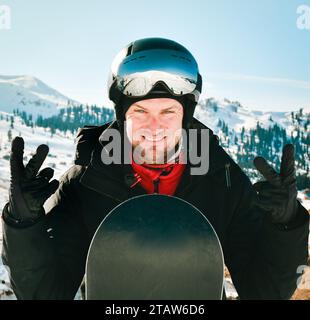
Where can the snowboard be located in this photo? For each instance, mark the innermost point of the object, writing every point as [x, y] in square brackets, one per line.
[155, 247]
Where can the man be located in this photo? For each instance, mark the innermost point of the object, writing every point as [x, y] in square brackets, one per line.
[155, 85]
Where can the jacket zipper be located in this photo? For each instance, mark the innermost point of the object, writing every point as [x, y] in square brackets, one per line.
[156, 185]
[138, 179]
[227, 172]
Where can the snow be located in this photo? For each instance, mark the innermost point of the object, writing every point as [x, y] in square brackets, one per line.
[31, 95]
[230, 290]
[304, 197]
[237, 116]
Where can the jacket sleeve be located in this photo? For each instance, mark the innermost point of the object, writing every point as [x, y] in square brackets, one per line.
[262, 257]
[47, 260]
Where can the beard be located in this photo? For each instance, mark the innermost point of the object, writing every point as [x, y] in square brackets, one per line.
[154, 154]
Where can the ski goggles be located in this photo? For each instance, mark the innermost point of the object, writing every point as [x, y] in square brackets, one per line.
[139, 73]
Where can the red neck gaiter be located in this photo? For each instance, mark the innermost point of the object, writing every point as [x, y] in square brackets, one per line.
[158, 178]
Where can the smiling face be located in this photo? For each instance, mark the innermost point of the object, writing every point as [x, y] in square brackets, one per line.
[154, 127]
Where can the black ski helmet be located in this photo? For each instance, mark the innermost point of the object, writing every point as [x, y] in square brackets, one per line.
[154, 68]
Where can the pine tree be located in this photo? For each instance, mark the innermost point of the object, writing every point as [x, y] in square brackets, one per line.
[242, 134]
[12, 122]
[10, 135]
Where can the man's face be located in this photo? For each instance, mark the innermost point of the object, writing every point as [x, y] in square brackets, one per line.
[154, 127]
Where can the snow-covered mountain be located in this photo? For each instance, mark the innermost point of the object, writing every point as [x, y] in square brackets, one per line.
[236, 116]
[246, 133]
[31, 95]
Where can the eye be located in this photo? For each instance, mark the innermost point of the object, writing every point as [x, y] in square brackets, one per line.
[168, 111]
[140, 111]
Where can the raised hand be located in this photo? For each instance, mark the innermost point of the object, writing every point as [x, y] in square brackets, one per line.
[29, 189]
[278, 194]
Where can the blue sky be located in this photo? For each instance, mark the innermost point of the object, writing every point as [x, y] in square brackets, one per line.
[247, 50]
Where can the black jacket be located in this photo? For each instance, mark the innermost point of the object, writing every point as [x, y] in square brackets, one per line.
[47, 260]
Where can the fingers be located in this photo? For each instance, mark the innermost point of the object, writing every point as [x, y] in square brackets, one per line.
[39, 182]
[35, 184]
[260, 185]
[265, 189]
[270, 199]
[263, 205]
[274, 194]
[36, 161]
[287, 170]
[40, 190]
[267, 171]
[42, 194]
[16, 158]
[51, 188]
[46, 173]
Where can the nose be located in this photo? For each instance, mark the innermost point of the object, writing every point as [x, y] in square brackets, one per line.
[154, 124]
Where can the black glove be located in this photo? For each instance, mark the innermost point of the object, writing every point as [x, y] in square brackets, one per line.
[28, 189]
[278, 195]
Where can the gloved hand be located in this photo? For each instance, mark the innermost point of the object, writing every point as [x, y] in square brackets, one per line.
[278, 194]
[28, 188]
